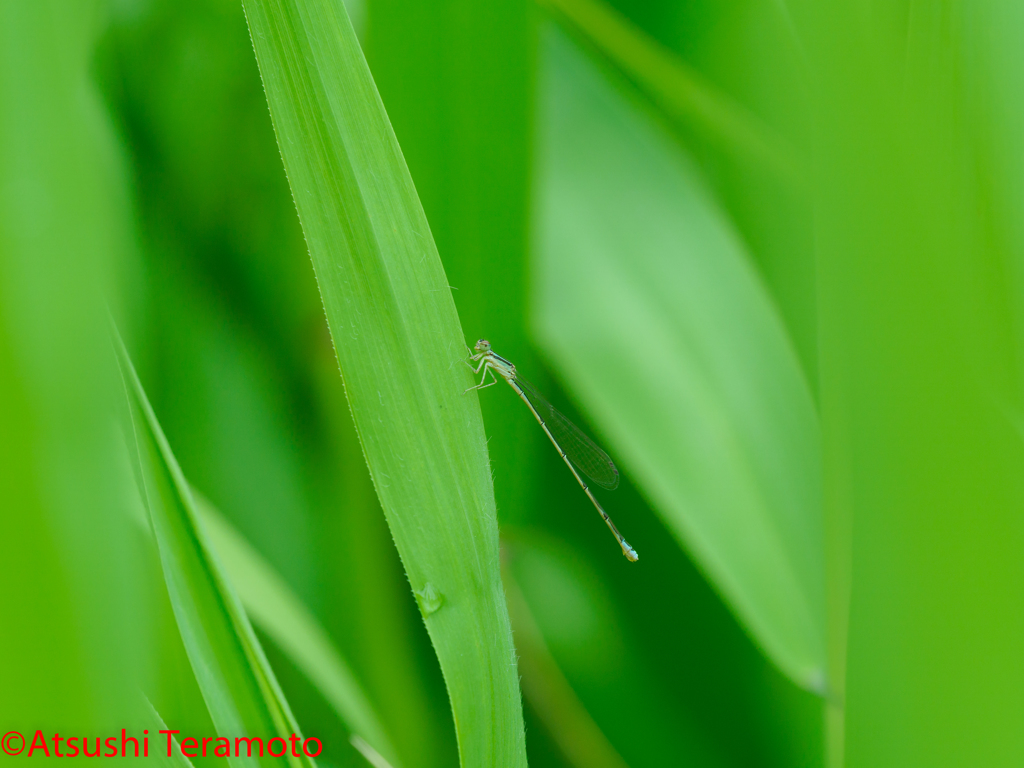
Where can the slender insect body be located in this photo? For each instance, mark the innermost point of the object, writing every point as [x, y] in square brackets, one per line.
[506, 362]
[592, 460]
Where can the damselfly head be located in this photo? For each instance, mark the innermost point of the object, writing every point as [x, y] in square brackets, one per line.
[483, 346]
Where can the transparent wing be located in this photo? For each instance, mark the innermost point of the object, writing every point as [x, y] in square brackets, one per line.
[580, 449]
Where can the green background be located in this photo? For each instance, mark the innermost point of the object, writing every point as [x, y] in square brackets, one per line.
[768, 252]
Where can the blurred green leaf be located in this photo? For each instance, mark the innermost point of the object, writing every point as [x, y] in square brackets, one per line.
[630, 697]
[647, 301]
[550, 694]
[372, 756]
[239, 687]
[177, 758]
[71, 642]
[275, 609]
[919, 268]
[746, 62]
[400, 348]
[221, 405]
[677, 89]
[237, 360]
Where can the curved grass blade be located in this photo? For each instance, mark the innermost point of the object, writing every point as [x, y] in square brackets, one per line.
[155, 723]
[276, 610]
[372, 756]
[238, 685]
[653, 311]
[400, 347]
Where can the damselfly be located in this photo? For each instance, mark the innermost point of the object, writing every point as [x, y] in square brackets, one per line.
[576, 449]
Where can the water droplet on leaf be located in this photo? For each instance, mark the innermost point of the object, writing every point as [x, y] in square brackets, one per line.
[429, 598]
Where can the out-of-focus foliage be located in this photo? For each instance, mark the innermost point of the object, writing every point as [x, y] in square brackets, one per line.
[919, 265]
[275, 609]
[69, 641]
[648, 298]
[238, 685]
[238, 362]
[771, 251]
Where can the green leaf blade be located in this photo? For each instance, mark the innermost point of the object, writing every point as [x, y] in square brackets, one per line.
[238, 686]
[275, 609]
[649, 304]
[400, 346]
